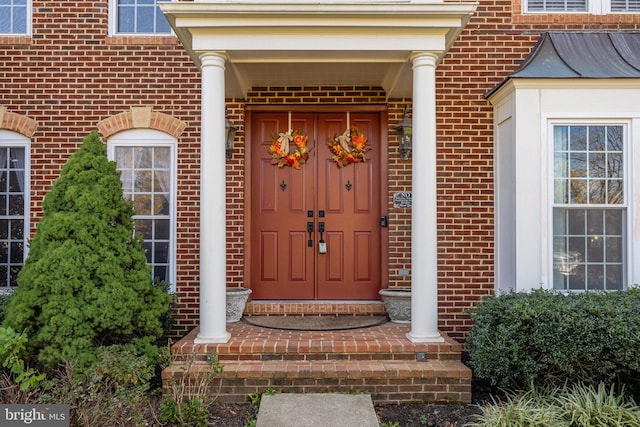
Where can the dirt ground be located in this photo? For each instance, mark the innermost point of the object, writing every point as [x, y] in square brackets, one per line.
[411, 415]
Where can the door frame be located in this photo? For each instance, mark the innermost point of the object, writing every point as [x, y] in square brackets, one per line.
[383, 176]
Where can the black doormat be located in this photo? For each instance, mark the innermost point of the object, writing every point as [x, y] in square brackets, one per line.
[315, 323]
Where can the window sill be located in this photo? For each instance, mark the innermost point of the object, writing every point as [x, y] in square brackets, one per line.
[18, 39]
[142, 40]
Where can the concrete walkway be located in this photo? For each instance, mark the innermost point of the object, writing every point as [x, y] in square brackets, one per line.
[316, 410]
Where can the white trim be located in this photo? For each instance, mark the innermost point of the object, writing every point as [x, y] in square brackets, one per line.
[13, 139]
[155, 138]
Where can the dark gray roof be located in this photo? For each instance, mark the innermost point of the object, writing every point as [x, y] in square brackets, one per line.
[592, 55]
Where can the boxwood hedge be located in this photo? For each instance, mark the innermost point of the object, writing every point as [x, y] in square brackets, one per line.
[549, 338]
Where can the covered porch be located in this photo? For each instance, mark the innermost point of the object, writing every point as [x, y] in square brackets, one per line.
[393, 45]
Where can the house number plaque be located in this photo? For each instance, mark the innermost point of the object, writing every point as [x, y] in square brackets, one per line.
[402, 200]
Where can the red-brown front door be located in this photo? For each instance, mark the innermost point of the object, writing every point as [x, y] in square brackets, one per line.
[287, 262]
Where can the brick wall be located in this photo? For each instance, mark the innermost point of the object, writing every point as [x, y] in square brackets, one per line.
[71, 75]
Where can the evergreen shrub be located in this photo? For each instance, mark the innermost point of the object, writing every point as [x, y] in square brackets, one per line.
[545, 338]
[4, 301]
[86, 283]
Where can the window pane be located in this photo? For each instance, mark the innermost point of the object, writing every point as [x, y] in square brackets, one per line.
[578, 138]
[162, 25]
[143, 182]
[144, 19]
[15, 252]
[124, 157]
[161, 204]
[126, 20]
[162, 231]
[142, 204]
[17, 229]
[144, 228]
[19, 20]
[578, 165]
[162, 252]
[591, 257]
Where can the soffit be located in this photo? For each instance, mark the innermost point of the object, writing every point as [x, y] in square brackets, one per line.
[362, 43]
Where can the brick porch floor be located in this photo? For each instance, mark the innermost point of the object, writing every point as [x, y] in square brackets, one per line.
[379, 360]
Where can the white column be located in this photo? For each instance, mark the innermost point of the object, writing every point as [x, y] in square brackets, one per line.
[213, 246]
[424, 236]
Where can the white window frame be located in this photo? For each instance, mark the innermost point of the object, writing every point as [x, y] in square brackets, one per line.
[154, 138]
[628, 189]
[28, 26]
[594, 7]
[113, 22]
[13, 139]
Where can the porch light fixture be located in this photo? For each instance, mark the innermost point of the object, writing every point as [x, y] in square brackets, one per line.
[229, 135]
[403, 129]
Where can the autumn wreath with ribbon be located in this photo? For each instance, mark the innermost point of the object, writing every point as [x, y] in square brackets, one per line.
[350, 147]
[289, 149]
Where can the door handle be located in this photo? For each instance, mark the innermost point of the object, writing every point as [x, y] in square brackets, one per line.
[322, 246]
[310, 231]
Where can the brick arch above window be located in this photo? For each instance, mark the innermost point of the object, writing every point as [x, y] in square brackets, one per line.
[17, 123]
[141, 118]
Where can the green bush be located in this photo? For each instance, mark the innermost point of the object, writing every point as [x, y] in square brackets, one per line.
[576, 406]
[549, 338]
[86, 283]
[114, 391]
[4, 301]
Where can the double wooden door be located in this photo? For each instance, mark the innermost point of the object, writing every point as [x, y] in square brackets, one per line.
[295, 210]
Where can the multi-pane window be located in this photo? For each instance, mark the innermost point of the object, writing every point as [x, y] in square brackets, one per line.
[138, 17]
[14, 16]
[14, 205]
[625, 5]
[578, 6]
[147, 169]
[557, 5]
[589, 213]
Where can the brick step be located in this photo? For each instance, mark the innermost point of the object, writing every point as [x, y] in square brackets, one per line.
[355, 308]
[275, 345]
[388, 381]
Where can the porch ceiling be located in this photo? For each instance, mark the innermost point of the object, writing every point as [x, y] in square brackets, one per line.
[363, 43]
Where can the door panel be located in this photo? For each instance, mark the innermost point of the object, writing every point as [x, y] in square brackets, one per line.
[284, 265]
[350, 196]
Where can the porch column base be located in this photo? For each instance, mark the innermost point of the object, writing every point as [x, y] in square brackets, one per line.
[213, 340]
[425, 338]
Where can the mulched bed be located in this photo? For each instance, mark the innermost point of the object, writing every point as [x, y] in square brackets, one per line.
[406, 415]
[410, 414]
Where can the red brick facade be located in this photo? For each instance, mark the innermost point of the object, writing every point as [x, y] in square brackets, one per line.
[71, 77]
